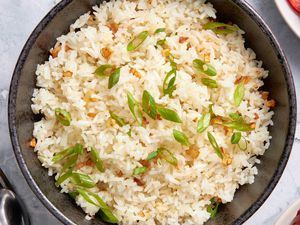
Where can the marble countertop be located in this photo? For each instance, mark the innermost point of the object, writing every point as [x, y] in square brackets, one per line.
[17, 22]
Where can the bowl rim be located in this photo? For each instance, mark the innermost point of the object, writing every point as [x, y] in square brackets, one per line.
[289, 137]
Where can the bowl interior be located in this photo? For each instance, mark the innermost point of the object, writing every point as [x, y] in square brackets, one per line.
[247, 199]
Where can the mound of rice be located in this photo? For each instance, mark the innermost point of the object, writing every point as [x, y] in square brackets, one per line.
[165, 194]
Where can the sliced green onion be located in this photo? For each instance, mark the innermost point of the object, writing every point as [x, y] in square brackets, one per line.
[236, 137]
[70, 163]
[161, 42]
[104, 70]
[236, 117]
[82, 180]
[86, 197]
[202, 67]
[108, 216]
[168, 156]
[243, 143]
[135, 108]
[121, 122]
[181, 137]
[63, 177]
[209, 82]
[77, 149]
[213, 208]
[238, 125]
[152, 155]
[137, 41]
[114, 78]
[96, 159]
[169, 83]
[63, 116]
[149, 105]
[139, 170]
[212, 114]
[214, 144]
[220, 28]
[73, 194]
[203, 122]
[172, 62]
[159, 30]
[105, 211]
[169, 114]
[239, 94]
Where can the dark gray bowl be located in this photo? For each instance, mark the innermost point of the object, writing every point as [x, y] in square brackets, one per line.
[258, 36]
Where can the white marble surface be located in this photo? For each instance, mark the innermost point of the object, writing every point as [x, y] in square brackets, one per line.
[19, 17]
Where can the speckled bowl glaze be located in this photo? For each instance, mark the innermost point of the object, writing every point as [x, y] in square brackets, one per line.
[258, 36]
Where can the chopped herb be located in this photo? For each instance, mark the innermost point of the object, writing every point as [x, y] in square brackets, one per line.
[238, 125]
[202, 67]
[139, 170]
[215, 145]
[104, 70]
[63, 116]
[203, 122]
[169, 114]
[172, 62]
[236, 117]
[135, 108]
[63, 177]
[212, 114]
[121, 122]
[168, 156]
[96, 159]
[161, 42]
[152, 155]
[236, 137]
[70, 163]
[82, 180]
[243, 143]
[137, 41]
[149, 105]
[239, 94]
[209, 82]
[181, 137]
[220, 28]
[105, 212]
[114, 78]
[73, 194]
[169, 83]
[213, 208]
[76, 149]
[159, 30]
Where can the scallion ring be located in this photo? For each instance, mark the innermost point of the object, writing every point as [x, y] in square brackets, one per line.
[202, 67]
[236, 137]
[203, 122]
[137, 41]
[168, 156]
[152, 155]
[63, 116]
[149, 105]
[139, 170]
[159, 30]
[169, 114]
[181, 137]
[135, 108]
[82, 180]
[169, 83]
[220, 28]
[239, 94]
[114, 78]
[120, 121]
[104, 70]
[209, 82]
[96, 159]
[215, 145]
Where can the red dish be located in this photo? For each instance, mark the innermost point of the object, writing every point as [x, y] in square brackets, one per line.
[296, 221]
[295, 4]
